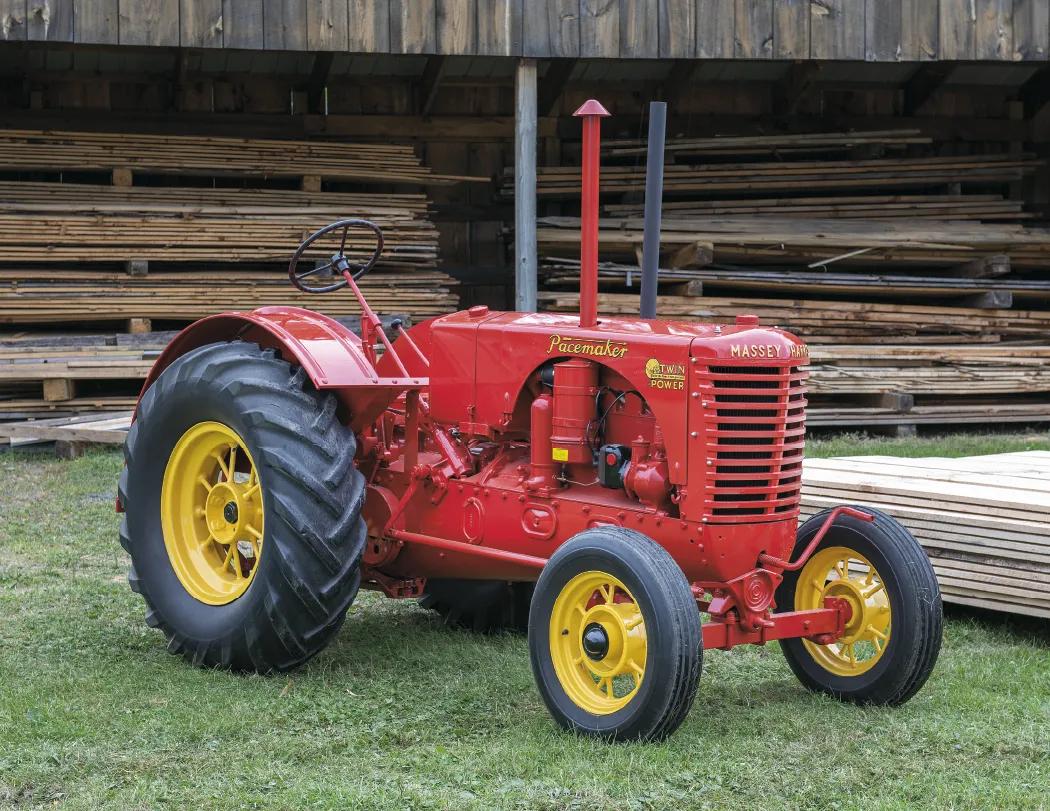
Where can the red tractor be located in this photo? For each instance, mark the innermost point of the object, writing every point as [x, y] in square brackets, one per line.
[602, 482]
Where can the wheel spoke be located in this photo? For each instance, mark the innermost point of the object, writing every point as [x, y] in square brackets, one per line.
[633, 622]
[218, 457]
[607, 680]
[851, 652]
[607, 592]
[252, 489]
[842, 567]
[205, 483]
[253, 531]
[231, 556]
[875, 589]
[233, 461]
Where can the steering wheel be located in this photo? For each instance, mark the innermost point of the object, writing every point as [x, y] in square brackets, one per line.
[339, 263]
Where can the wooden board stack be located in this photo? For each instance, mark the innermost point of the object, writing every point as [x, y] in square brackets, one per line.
[185, 227]
[983, 520]
[882, 241]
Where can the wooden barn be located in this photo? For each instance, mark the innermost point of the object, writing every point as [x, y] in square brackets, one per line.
[869, 173]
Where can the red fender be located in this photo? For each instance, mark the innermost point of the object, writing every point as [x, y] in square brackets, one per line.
[329, 353]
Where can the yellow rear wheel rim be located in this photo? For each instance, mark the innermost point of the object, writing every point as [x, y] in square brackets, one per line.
[845, 573]
[211, 511]
[598, 643]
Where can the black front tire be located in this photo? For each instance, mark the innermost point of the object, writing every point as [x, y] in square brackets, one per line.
[308, 568]
[914, 601]
[674, 646]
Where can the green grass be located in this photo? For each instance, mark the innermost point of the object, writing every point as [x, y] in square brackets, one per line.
[403, 713]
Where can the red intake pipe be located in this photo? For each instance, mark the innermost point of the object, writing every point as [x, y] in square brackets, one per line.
[592, 113]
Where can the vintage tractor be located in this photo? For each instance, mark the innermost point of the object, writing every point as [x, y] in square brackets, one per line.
[604, 482]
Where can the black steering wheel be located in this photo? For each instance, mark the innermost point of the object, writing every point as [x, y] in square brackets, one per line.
[339, 263]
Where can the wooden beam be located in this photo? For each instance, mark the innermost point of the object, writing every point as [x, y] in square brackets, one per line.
[525, 124]
[926, 81]
[429, 82]
[1035, 93]
[797, 82]
[553, 84]
[679, 80]
[319, 73]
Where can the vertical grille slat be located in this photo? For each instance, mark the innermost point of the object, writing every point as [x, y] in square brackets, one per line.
[754, 434]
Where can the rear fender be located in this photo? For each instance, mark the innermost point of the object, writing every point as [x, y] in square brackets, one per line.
[329, 353]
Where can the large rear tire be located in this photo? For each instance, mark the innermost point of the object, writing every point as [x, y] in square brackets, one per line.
[242, 510]
[484, 606]
[894, 634]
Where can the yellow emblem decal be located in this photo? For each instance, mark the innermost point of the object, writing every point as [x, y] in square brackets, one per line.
[586, 346]
[665, 375]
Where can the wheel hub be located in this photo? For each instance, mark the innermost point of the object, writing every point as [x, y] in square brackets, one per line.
[595, 642]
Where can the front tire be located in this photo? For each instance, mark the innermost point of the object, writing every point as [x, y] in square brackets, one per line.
[242, 510]
[614, 636]
[894, 634]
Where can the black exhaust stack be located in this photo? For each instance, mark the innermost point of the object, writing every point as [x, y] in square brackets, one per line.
[654, 192]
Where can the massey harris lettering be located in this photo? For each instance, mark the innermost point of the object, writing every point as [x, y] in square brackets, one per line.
[772, 351]
[586, 346]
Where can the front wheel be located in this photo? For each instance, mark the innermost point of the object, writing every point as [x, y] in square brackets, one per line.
[892, 639]
[614, 636]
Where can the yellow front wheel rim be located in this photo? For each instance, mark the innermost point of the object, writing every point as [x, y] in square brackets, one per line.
[598, 643]
[211, 510]
[845, 573]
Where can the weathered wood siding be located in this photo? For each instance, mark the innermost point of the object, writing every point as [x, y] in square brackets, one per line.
[873, 30]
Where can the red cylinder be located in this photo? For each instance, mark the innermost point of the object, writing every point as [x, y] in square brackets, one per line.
[543, 472]
[575, 390]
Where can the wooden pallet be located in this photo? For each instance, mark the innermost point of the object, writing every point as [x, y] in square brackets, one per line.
[983, 520]
[106, 429]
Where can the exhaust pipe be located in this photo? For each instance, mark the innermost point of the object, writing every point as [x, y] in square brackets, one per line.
[654, 192]
[592, 114]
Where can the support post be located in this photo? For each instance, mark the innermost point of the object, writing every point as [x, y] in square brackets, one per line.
[525, 126]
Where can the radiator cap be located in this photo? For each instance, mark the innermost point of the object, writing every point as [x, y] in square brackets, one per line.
[747, 320]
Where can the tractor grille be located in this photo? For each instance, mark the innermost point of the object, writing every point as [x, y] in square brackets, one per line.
[754, 432]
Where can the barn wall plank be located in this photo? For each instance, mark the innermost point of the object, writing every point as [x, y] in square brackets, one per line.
[369, 26]
[499, 27]
[413, 26]
[284, 25]
[836, 29]
[95, 21]
[1031, 30]
[791, 29]
[958, 29]
[327, 25]
[457, 28]
[13, 19]
[242, 24]
[551, 28]
[754, 29]
[883, 24]
[715, 28]
[920, 30]
[994, 29]
[677, 20]
[639, 30]
[149, 22]
[201, 23]
[600, 26]
[50, 20]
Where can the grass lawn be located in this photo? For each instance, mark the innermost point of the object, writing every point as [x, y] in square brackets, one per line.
[403, 713]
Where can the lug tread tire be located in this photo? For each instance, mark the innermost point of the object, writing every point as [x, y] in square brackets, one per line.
[673, 628]
[309, 570]
[483, 606]
[906, 668]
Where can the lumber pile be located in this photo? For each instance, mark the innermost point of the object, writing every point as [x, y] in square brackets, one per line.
[983, 520]
[53, 150]
[922, 259]
[186, 227]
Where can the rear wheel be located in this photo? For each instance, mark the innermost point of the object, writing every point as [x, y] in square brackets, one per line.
[614, 636]
[893, 635]
[485, 606]
[242, 510]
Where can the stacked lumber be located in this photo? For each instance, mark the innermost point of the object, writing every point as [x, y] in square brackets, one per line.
[773, 176]
[983, 520]
[812, 242]
[782, 144]
[41, 297]
[55, 150]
